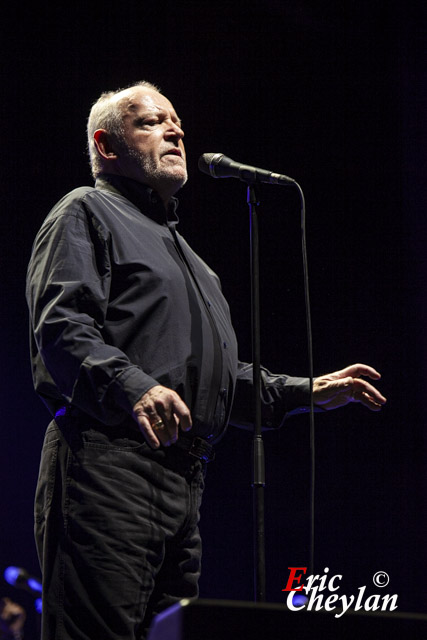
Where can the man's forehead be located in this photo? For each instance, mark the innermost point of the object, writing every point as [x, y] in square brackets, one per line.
[136, 98]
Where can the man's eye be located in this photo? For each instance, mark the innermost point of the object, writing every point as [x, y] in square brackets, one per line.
[146, 122]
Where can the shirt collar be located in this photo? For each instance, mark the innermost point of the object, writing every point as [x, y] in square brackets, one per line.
[142, 196]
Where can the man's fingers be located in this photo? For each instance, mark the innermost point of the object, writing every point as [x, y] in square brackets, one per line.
[368, 395]
[331, 392]
[160, 413]
[165, 427]
[174, 414]
[357, 370]
[172, 417]
[158, 431]
[147, 431]
[368, 401]
[183, 414]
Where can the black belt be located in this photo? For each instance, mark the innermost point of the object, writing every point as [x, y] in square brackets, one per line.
[197, 447]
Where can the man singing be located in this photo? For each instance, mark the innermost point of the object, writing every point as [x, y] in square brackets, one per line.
[134, 354]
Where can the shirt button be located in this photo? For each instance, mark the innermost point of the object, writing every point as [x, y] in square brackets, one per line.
[225, 345]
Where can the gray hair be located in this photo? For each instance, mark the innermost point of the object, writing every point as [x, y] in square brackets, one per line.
[106, 113]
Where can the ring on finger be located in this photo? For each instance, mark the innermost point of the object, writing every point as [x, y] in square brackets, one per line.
[158, 425]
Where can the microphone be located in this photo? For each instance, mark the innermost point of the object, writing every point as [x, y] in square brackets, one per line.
[218, 165]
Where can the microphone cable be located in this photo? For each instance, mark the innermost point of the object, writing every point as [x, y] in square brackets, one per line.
[311, 376]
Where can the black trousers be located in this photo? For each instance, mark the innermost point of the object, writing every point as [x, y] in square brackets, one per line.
[116, 527]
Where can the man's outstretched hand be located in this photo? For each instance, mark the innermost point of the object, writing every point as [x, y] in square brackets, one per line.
[337, 389]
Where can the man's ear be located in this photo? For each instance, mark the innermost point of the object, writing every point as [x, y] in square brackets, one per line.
[103, 144]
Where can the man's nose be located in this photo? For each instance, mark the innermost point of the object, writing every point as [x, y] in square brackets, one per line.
[174, 129]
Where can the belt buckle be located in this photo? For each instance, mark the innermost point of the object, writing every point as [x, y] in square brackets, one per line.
[202, 450]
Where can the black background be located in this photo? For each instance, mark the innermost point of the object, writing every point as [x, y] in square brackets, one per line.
[333, 94]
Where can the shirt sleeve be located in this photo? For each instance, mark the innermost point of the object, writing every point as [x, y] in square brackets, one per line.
[68, 284]
[281, 396]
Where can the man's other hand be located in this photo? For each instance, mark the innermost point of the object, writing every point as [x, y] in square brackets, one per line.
[160, 413]
[337, 389]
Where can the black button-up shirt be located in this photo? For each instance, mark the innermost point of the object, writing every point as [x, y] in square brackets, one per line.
[120, 303]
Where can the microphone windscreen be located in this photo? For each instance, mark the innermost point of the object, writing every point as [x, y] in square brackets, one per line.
[205, 162]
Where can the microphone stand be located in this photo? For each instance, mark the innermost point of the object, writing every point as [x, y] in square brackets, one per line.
[258, 468]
